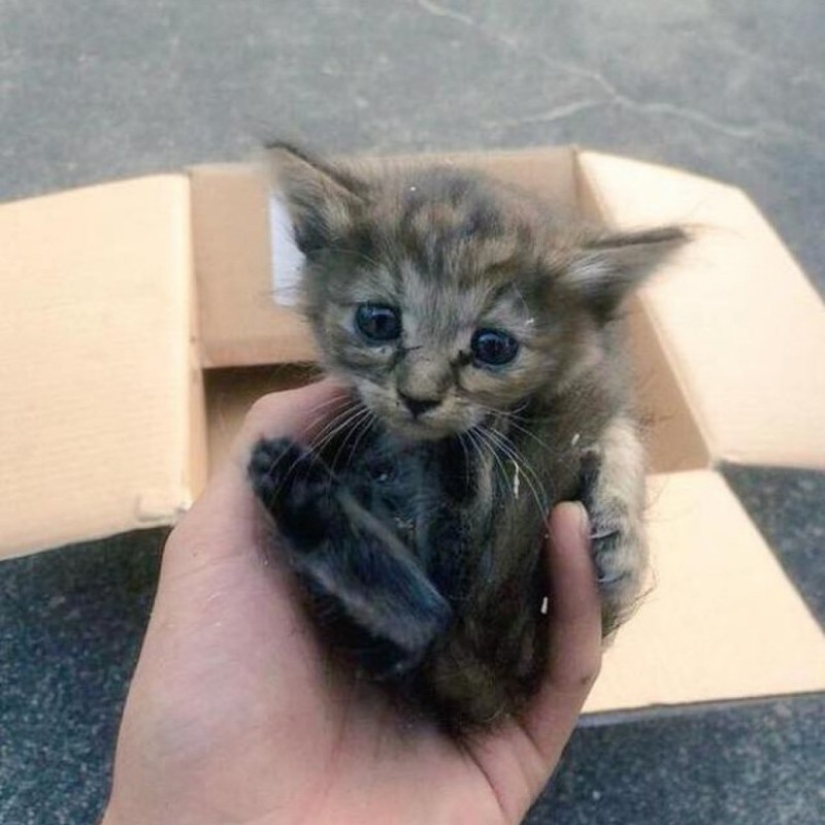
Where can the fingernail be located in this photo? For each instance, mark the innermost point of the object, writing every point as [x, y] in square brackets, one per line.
[584, 521]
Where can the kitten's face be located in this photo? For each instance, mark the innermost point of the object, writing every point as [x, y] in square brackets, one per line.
[435, 308]
[445, 297]
[432, 356]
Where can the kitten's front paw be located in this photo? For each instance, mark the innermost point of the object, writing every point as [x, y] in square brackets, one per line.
[270, 464]
[619, 553]
[367, 586]
[290, 481]
[618, 544]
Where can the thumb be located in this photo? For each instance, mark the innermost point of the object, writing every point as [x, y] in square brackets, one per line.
[575, 633]
[298, 413]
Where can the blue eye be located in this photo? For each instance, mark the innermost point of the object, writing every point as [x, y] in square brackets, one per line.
[493, 347]
[378, 322]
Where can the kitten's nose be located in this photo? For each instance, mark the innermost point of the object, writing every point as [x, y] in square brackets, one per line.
[417, 406]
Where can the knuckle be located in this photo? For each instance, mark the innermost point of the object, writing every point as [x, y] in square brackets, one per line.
[590, 673]
[262, 418]
[580, 677]
[263, 409]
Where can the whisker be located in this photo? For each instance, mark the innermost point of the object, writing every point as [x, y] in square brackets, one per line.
[347, 402]
[527, 432]
[339, 425]
[355, 422]
[481, 445]
[334, 415]
[498, 465]
[511, 417]
[467, 461]
[516, 455]
[340, 416]
[366, 424]
[335, 400]
[530, 475]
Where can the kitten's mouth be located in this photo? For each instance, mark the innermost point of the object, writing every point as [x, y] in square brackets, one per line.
[419, 429]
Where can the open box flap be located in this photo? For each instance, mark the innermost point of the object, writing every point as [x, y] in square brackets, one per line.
[722, 621]
[95, 372]
[743, 328]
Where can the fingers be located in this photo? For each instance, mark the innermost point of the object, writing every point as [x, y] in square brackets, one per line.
[575, 633]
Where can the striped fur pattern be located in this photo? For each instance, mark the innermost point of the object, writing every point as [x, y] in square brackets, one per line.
[415, 519]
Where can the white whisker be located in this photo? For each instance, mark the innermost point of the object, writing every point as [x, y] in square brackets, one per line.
[530, 476]
[498, 465]
[355, 422]
[337, 417]
[333, 430]
[365, 424]
[510, 416]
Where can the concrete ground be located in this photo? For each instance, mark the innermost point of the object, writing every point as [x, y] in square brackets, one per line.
[99, 89]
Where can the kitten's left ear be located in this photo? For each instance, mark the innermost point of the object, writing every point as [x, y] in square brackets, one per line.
[322, 198]
[611, 266]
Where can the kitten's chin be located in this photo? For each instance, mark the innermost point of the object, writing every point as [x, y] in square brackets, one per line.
[414, 430]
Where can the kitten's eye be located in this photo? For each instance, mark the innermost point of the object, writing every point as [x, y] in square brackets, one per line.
[378, 322]
[493, 347]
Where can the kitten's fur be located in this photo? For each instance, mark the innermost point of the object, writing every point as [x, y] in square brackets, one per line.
[417, 530]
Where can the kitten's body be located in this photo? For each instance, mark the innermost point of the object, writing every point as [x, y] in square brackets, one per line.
[500, 391]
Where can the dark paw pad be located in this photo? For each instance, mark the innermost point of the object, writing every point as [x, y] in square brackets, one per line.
[271, 462]
[285, 475]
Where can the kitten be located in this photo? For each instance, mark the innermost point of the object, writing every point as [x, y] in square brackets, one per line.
[481, 341]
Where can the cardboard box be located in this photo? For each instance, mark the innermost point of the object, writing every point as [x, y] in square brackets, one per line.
[137, 323]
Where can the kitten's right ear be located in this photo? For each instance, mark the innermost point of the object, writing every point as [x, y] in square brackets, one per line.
[321, 198]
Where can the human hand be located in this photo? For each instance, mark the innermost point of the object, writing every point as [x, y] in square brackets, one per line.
[236, 715]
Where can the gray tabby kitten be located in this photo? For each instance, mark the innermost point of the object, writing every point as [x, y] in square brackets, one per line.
[481, 341]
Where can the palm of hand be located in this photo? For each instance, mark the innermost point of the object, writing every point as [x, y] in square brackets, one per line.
[235, 714]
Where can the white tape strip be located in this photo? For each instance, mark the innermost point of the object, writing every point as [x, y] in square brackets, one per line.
[287, 259]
